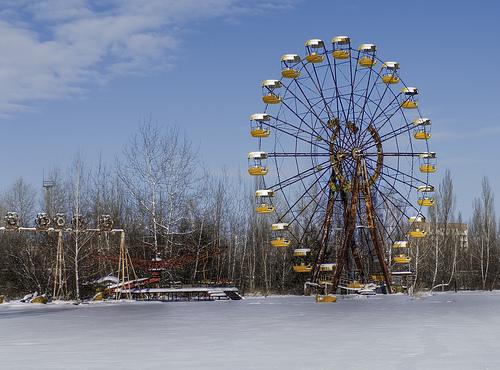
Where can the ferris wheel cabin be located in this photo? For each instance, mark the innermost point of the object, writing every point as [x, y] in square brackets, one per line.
[417, 233]
[269, 88]
[257, 163]
[390, 72]
[314, 51]
[302, 260]
[326, 272]
[425, 198]
[422, 128]
[428, 162]
[279, 235]
[367, 55]
[257, 128]
[263, 200]
[409, 98]
[289, 66]
[341, 47]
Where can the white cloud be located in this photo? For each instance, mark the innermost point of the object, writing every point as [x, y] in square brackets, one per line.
[54, 49]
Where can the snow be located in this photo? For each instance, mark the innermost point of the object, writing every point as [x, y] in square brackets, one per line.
[439, 331]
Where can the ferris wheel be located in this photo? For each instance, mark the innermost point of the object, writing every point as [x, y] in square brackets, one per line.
[342, 164]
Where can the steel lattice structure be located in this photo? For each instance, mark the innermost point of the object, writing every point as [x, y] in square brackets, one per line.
[343, 162]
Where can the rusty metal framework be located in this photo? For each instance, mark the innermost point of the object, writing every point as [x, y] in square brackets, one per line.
[341, 161]
[125, 269]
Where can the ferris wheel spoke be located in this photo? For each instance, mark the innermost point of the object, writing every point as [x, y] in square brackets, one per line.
[388, 199]
[393, 132]
[401, 172]
[301, 119]
[402, 130]
[297, 177]
[402, 197]
[297, 154]
[300, 198]
[367, 99]
[317, 84]
[294, 134]
[393, 154]
[382, 225]
[353, 83]
[312, 218]
[387, 117]
[333, 72]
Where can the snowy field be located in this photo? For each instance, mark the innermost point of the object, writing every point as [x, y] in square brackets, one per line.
[443, 331]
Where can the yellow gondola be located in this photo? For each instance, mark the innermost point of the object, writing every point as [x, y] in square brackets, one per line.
[301, 260]
[260, 132]
[341, 47]
[428, 162]
[264, 208]
[256, 163]
[422, 135]
[263, 198]
[389, 72]
[424, 199]
[377, 278]
[327, 298]
[302, 268]
[426, 202]
[417, 233]
[269, 88]
[289, 64]
[256, 125]
[367, 55]
[428, 168]
[312, 48]
[422, 128]
[280, 242]
[257, 171]
[271, 99]
[409, 97]
[402, 258]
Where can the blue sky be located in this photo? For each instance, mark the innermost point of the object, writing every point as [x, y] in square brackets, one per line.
[81, 75]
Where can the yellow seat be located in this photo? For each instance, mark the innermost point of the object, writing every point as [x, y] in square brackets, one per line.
[417, 233]
[280, 242]
[257, 170]
[422, 135]
[390, 79]
[302, 268]
[290, 73]
[401, 259]
[355, 285]
[408, 104]
[315, 58]
[428, 168]
[341, 54]
[328, 298]
[426, 202]
[271, 99]
[377, 277]
[41, 299]
[367, 61]
[260, 132]
[264, 208]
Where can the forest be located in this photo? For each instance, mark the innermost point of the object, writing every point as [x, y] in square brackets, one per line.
[157, 191]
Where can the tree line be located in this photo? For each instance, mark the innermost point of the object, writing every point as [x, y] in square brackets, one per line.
[171, 209]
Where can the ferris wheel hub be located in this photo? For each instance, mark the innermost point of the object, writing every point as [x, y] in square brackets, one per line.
[357, 153]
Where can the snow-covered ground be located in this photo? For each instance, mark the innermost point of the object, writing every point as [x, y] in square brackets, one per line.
[443, 331]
